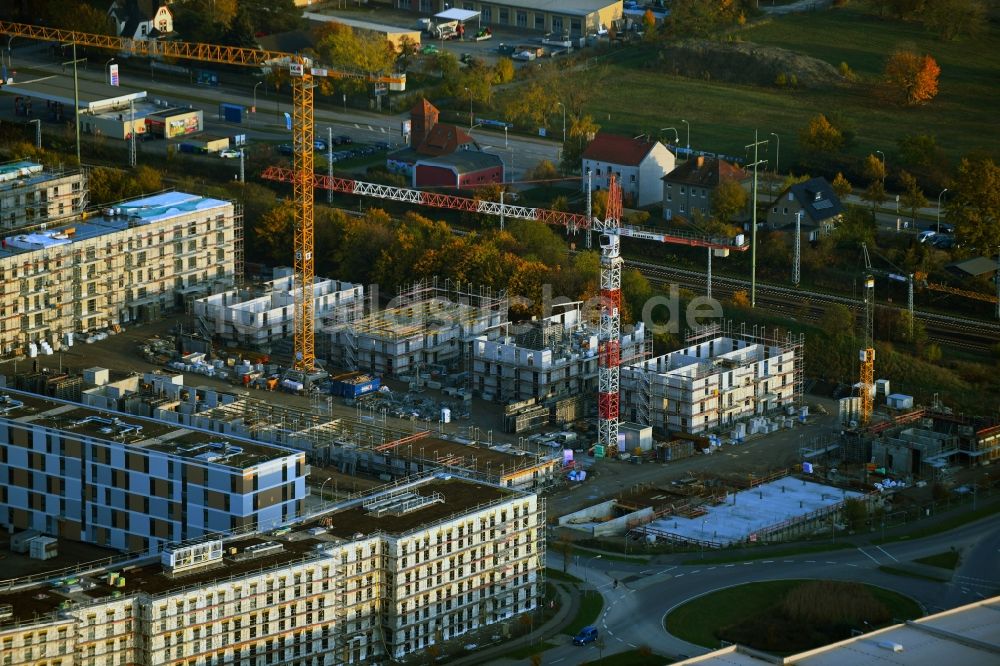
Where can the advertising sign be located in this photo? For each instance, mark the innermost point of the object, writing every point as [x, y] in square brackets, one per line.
[113, 75]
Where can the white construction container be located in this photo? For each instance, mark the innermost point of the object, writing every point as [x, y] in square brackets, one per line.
[900, 401]
[881, 387]
[43, 548]
[96, 376]
[445, 415]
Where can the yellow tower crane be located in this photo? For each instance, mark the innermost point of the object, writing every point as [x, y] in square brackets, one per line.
[302, 73]
[867, 354]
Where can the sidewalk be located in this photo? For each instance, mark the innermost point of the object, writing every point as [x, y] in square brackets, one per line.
[569, 604]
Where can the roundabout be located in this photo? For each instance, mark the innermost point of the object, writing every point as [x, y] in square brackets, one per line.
[787, 616]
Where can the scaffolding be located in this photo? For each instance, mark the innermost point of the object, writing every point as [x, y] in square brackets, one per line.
[724, 374]
[426, 323]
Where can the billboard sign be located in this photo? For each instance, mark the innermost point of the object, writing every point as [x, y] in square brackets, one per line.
[113, 75]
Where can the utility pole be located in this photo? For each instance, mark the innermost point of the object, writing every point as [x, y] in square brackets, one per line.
[797, 257]
[329, 161]
[708, 283]
[590, 214]
[909, 303]
[38, 131]
[131, 134]
[501, 210]
[242, 170]
[76, 98]
[753, 231]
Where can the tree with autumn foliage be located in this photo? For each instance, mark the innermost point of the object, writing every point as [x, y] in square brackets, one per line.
[820, 136]
[911, 78]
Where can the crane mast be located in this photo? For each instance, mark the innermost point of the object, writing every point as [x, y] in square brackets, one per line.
[867, 354]
[610, 329]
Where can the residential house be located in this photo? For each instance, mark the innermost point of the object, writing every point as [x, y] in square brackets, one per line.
[815, 199]
[576, 18]
[441, 154]
[638, 164]
[141, 19]
[688, 189]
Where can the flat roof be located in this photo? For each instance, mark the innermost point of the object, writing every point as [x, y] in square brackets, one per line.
[458, 496]
[360, 25]
[754, 510]
[567, 7]
[59, 88]
[137, 212]
[136, 431]
[476, 456]
[967, 634]
[25, 172]
[351, 522]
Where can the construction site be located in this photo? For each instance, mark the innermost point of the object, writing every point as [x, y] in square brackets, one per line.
[426, 324]
[31, 194]
[723, 377]
[714, 512]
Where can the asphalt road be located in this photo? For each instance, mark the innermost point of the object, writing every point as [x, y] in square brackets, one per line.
[519, 153]
[635, 609]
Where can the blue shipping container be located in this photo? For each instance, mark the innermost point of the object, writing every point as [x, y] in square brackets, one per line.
[232, 113]
[347, 389]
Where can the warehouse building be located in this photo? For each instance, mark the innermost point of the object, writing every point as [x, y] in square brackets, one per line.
[547, 358]
[31, 194]
[577, 18]
[379, 577]
[714, 382]
[425, 324]
[134, 484]
[127, 263]
[260, 315]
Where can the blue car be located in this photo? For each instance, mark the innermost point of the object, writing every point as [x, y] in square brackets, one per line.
[586, 635]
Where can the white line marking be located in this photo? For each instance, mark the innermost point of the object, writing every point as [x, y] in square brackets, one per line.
[730, 566]
[813, 561]
[679, 576]
[631, 645]
[787, 561]
[867, 555]
[665, 570]
[851, 565]
[768, 562]
[886, 554]
[712, 568]
[647, 571]
[829, 562]
[556, 661]
[695, 571]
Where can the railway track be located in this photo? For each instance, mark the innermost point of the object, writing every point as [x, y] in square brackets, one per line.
[957, 332]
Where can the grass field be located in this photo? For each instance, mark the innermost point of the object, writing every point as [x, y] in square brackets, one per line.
[804, 549]
[637, 657]
[699, 620]
[528, 650]
[723, 116]
[558, 574]
[946, 560]
[906, 573]
[591, 604]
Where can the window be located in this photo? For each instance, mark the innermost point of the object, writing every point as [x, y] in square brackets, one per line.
[522, 19]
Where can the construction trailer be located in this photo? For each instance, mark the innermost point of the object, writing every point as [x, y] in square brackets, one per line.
[32, 194]
[548, 358]
[721, 377]
[428, 323]
[107, 269]
[259, 315]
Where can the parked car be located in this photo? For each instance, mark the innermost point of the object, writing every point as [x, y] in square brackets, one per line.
[925, 235]
[342, 140]
[229, 153]
[586, 635]
[319, 144]
[286, 149]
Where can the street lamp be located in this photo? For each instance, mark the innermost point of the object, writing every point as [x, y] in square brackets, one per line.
[939, 209]
[564, 121]
[777, 151]
[10, 54]
[470, 107]
[586, 569]
[879, 152]
[688, 133]
[255, 96]
[677, 137]
[107, 70]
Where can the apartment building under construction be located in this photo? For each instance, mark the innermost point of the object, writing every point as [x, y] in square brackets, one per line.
[377, 577]
[425, 324]
[31, 194]
[127, 263]
[721, 377]
[548, 358]
[257, 316]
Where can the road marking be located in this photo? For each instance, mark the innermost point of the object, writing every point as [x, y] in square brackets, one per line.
[647, 571]
[867, 555]
[814, 561]
[695, 571]
[886, 554]
[711, 568]
[851, 565]
[679, 576]
[730, 566]
[746, 564]
[829, 562]
[610, 633]
[787, 561]
[768, 562]
[631, 645]
[556, 661]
